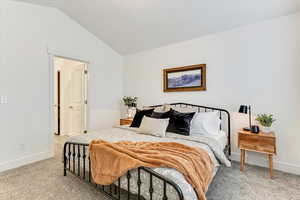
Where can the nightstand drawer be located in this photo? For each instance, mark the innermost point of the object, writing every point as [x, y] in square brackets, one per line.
[257, 143]
[126, 121]
[257, 147]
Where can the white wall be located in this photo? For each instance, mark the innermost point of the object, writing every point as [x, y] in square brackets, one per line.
[26, 31]
[257, 64]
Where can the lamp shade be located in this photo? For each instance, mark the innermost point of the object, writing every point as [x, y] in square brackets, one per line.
[243, 109]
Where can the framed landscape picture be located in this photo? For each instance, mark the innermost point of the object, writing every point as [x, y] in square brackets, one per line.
[187, 78]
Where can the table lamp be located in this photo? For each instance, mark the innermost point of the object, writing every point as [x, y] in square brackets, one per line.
[246, 110]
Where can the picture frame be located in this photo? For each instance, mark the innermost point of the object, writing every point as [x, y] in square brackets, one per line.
[186, 78]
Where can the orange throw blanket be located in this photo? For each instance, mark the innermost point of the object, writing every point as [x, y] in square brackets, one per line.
[109, 161]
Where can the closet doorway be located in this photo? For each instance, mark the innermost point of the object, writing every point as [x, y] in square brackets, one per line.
[70, 96]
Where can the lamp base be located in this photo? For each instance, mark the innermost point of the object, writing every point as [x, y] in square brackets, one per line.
[253, 129]
[247, 129]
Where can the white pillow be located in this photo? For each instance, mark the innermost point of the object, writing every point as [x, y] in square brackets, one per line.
[153, 126]
[205, 123]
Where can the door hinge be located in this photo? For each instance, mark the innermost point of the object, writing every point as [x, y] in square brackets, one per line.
[85, 102]
[85, 71]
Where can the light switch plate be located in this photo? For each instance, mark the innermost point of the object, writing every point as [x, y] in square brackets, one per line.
[3, 100]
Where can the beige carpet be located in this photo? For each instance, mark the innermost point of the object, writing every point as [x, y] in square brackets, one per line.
[44, 181]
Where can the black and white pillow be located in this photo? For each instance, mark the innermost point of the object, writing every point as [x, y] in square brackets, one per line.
[180, 122]
[161, 115]
[136, 122]
[154, 126]
[205, 123]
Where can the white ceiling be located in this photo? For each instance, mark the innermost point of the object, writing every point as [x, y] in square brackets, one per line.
[130, 26]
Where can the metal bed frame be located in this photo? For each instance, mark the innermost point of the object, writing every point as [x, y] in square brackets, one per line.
[74, 153]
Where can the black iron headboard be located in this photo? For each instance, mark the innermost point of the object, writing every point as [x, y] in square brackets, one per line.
[221, 111]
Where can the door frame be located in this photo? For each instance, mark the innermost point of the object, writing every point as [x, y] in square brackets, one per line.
[52, 121]
[58, 106]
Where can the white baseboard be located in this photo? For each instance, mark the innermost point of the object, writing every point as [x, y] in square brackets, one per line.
[263, 162]
[25, 160]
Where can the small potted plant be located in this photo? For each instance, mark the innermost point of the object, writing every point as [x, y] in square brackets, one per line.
[130, 102]
[265, 121]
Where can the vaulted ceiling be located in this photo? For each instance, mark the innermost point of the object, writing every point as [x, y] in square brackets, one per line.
[130, 26]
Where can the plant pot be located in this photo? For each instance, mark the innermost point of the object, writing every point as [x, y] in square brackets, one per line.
[130, 111]
[266, 129]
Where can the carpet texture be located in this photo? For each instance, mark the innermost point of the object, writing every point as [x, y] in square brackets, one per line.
[44, 180]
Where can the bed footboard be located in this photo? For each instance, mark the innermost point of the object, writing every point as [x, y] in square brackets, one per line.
[77, 161]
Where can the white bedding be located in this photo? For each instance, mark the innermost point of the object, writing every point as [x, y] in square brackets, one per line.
[212, 145]
[221, 138]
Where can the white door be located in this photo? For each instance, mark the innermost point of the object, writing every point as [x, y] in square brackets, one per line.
[77, 103]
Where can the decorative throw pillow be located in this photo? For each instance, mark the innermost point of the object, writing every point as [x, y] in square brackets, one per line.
[185, 109]
[163, 108]
[153, 126]
[136, 122]
[180, 122]
[205, 123]
[161, 115]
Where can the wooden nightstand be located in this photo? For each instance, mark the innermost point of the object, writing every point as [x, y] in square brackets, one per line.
[126, 121]
[261, 142]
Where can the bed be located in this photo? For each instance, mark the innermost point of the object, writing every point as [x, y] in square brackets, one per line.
[145, 183]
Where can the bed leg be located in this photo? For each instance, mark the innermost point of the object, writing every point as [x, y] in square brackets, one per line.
[65, 160]
[65, 166]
